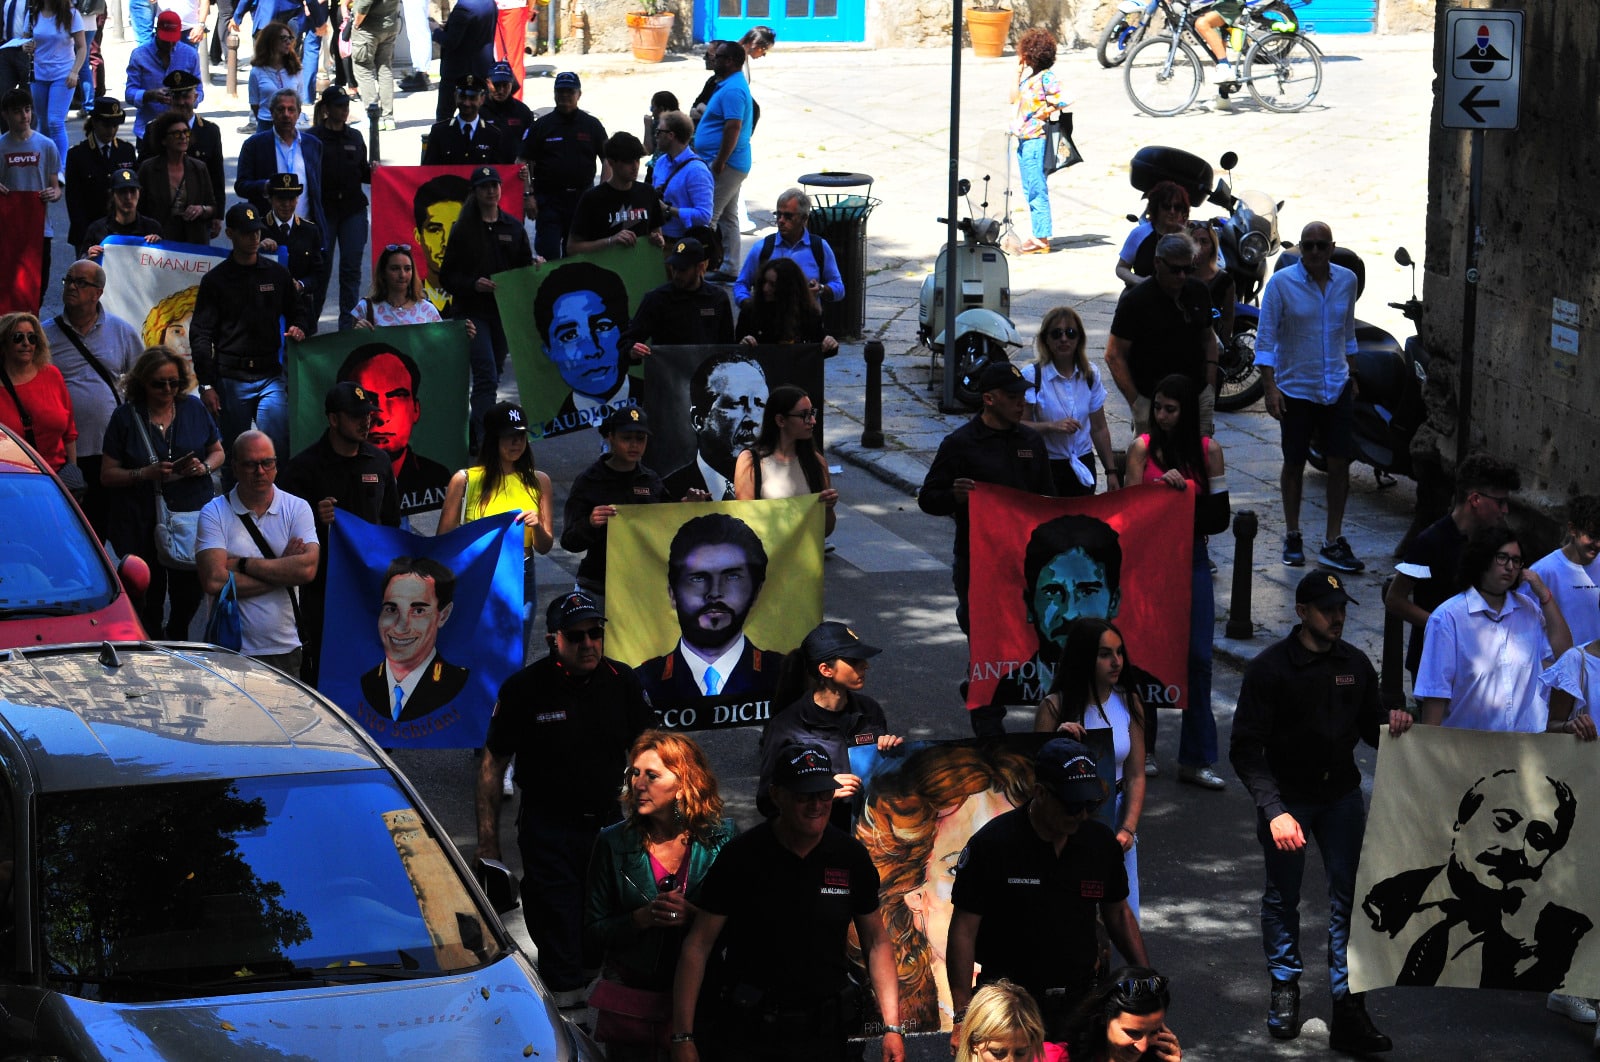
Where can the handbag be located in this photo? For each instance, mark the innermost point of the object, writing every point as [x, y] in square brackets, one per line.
[225, 627]
[638, 1017]
[176, 532]
[346, 28]
[1059, 150]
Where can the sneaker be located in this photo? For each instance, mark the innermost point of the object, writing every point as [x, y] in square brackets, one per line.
[1338, 556]
[1204, 777]
[1575, 1007]
[1222, 74]
[386, 124]
[1152, 769]
[1352, 1031]
[1283, 1012]
[1294, 550]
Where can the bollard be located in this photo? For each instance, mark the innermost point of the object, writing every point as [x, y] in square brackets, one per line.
[373, 112]
[231, 50]
[872, 434]
[1244, 551]
[1391, 687]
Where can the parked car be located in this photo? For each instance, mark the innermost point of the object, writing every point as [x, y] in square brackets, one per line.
[203, 859]
[56, 582]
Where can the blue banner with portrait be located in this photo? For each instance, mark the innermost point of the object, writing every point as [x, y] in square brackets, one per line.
[421, 632]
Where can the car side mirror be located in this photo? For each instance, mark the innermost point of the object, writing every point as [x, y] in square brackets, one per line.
[135, 576]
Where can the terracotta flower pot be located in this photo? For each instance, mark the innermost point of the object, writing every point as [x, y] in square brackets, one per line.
[989, 30]
[647, 35]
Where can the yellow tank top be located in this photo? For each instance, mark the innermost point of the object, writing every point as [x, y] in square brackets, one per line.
[513, 496]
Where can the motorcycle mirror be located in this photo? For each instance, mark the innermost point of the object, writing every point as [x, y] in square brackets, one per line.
[1229, 160]
[963, 186]
[1402, 257]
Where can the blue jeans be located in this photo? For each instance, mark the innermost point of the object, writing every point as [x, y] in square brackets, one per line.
[265, 402]
[1030, 162]
[1337, 828]
[51, 101]
[1197, 741]
[349, 239]
[311, 56]
[142, 16]
[488, 359]
[550, 228]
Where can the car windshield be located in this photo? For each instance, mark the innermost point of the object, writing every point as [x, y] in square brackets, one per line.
[48, 563]
[208, 888]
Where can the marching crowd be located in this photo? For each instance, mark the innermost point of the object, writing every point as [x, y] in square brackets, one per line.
[653, 890]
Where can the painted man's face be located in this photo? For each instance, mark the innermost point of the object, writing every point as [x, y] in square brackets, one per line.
[582, 343]
[1072, 586]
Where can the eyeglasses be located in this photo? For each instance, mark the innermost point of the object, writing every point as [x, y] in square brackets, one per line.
[1135, 987]
[662, 130]
[587, 634]
[1315, 245]
[803, 414]
[77, 282]
[785, 215]
[1181, 270]
[24, 339]
[179, 131]
[1063, 333]
[406, 247]
[265, 464]
[1501, 502]
[166, 383]
[1509, 560]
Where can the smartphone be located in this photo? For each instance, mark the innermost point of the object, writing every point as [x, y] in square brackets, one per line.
[181, 458]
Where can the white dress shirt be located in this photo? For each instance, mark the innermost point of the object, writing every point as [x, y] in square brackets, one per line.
[1488, 665]
[1307, 332]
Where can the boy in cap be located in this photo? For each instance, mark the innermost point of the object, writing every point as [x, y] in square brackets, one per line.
[90, 164]
[619, 477]
[1305, 703]
[1029, 885]
[302, 239]
[562, 150]
[620, 210]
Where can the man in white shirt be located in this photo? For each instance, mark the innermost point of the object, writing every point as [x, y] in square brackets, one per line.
[265, 578]
[1303, 345]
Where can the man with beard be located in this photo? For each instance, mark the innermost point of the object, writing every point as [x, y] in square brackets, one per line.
[715, 568]
[1465, 921]
[683, 311]
[393, 379]
[727, 397]
[341, 470]
[580, 309]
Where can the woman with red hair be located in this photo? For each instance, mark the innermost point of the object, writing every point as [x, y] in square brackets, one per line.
[1037, 98]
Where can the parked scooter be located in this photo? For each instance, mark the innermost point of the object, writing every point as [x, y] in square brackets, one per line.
[1247, 238]
[983, 319]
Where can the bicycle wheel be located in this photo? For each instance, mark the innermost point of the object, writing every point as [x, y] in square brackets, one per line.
[1284, 72]
[1117, 39]
[1162, 76]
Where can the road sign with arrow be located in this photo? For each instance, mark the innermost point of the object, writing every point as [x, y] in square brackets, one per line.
[1483, 69]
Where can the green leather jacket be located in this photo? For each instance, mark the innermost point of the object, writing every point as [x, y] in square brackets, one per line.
[620, 883]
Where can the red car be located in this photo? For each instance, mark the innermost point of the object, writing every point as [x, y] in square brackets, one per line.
[57, 584]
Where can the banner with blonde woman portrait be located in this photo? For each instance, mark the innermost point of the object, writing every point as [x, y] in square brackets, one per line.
[714, 595]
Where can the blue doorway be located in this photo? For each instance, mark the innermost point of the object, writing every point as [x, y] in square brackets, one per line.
[794, 21]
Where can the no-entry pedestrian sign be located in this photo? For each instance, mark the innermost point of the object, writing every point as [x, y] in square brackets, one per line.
[1482, 68]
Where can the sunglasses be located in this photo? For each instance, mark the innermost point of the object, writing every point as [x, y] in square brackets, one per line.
[165, 383]
[1136, 987]
[1181, 270]
[24, 339]
[77, 282]
[587, 634]
[1315, 245]
[265, 464]
[1063, 333]
[406, 247]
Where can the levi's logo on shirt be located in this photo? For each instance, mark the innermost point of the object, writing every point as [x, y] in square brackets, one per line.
[22, 158]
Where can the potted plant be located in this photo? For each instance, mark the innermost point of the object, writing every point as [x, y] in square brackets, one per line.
[648, 31]
[989, 23]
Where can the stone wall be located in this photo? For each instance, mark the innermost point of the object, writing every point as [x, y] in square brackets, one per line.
[608, 27]
[926, 23]
[1532, 403]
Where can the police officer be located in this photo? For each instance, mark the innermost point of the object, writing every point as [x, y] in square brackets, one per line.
[1029, 885]
[341, 470]
[563, 150]
[469, 138]
[683, 310]
[235, 337]
[510, 115]
[90, 164]
[123, 219]
[619, 477]
[301, 237]
[993, 447]
[569, 719]
[776, 907]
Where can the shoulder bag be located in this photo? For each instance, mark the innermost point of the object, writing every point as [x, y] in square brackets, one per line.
[226, 627]
[94, 363]
[637, 1017]
[267, 553]
[1059, 150]
[176, 532]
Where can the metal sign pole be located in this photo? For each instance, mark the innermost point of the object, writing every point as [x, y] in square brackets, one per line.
[952, 272]
[1469, 298]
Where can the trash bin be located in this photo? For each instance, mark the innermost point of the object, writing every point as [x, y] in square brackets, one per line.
[841, 218]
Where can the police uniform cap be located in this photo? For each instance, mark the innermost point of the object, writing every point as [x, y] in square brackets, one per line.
[284, 184]
[485, 175]
[123, 178]
[631, 419]
[1322, 589]
[1002, 376]
[347, 396]
[469, 83]
[108, 107]
[180, 79]
[242, 217]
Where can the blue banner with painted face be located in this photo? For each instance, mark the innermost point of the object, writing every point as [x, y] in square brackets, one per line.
[421, 632]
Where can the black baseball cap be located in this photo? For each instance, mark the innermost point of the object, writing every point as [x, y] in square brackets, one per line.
[335, 94]
[574, 608]
[1067, 771]
[506, 418]
[124, 178]
[1002, 376]
[347, 396]
[832, 640]
[485, 175]
[804, 769]
[567, 80]
[686, 252]
[631, 419]
[1322, 589]
[501, 72]
[242, 217]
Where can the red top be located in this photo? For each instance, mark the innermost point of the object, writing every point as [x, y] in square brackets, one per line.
[47, 402]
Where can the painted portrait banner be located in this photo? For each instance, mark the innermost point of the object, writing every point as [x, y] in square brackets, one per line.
[920, 803]
[563, 323]
[421, 631]
[418, 206]
[153, 286]
[714, 595]
[22, 282]
[1040, 563]
[705, 405]
[1478, 866]
[419, 376]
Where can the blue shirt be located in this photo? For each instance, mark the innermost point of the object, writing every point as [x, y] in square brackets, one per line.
[1307, 332]
[686, 183]
[145, 73]
[731, 102]
[803, 255]
[266, 11]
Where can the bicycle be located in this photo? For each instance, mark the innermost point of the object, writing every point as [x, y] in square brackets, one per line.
[1163, 75]
[1135, 17]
